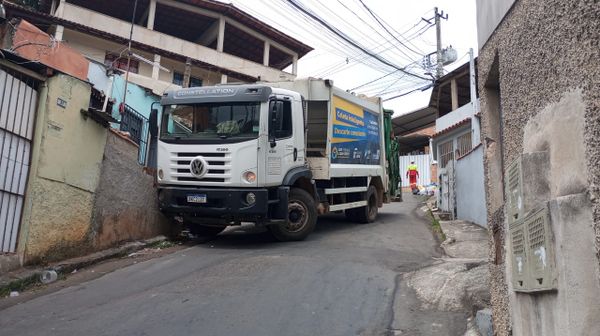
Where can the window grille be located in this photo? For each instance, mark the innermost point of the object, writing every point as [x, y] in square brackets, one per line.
[446, 153]
[463, 144]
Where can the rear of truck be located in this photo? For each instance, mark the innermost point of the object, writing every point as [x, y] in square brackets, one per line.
[345, 149]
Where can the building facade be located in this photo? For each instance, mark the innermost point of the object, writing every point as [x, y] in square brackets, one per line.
[174, 43]
[540, 104]
[457, 145]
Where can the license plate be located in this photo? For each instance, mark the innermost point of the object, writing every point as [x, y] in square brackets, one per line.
[196, 198]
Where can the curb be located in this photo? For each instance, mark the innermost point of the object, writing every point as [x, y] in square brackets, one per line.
[27, 278]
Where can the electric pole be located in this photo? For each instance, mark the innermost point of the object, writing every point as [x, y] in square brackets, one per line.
[438, 34]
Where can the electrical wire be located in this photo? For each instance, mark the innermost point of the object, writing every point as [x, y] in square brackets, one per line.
[346, 38]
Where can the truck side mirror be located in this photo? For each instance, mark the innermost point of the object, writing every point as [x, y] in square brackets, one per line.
[153, 123]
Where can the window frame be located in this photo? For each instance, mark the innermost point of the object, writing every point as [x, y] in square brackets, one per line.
[445, 154]
[283, 101]
[192, 78]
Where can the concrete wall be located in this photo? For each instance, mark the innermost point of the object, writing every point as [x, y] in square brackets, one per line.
[551, 104]
[470, 189]
[86, 190]
[125, 205]
[138, 98]
[454, 117]
[171, 44]
[66, 159]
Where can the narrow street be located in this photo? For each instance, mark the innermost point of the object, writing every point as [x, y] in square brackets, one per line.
[344, 280]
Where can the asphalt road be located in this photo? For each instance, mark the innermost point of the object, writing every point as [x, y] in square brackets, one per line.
[344, 280]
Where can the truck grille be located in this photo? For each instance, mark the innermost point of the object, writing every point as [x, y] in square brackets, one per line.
[219, 167]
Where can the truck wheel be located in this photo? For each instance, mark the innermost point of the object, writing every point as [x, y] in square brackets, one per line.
[302, 217]
[368, 214]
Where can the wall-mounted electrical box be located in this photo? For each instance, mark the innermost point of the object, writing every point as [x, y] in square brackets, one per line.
[514, 192]
[532, 253]
[531, 240]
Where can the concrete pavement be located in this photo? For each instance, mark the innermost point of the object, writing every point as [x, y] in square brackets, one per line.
[346, 279]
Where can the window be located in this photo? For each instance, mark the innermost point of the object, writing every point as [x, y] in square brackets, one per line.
[463, 144]
[178, 79]
[280, 125]
[211, 121]
[446, 152]
[120, 62]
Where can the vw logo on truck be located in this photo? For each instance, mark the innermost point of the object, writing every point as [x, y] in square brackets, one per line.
[198, 167]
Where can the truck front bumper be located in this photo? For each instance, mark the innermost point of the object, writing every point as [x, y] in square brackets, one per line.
[225, 204]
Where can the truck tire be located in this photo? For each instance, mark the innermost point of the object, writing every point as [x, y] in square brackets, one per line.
[368, 214]
[301, 220]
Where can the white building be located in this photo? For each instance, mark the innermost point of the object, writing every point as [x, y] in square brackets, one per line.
[221, 42]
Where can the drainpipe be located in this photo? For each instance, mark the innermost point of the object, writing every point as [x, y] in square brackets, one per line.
[472, 81]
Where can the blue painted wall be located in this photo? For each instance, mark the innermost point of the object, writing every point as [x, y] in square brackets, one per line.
[137, 97]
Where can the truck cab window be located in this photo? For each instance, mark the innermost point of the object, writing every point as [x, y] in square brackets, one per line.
[280, 115]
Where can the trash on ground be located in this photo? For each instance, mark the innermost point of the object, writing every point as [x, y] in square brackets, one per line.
[48, 276]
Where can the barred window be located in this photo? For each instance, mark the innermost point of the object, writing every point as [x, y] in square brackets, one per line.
[463, 144]
[446, 151]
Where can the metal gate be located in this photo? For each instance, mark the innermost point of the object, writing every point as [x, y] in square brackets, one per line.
[424, 165]
[137, 125]
[18, 100]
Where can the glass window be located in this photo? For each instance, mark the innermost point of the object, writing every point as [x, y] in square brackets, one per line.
[211, 121]
[178, 80]
[280, 125]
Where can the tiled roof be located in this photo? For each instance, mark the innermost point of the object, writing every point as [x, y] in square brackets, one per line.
[453, 127]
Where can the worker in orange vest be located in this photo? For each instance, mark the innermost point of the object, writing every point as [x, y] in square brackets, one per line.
[413, 174]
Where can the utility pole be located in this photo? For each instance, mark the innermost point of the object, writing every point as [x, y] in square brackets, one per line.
[438, 34]
[122, 106]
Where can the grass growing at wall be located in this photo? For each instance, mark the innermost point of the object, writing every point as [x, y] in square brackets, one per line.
[436, 227]
[20, 285]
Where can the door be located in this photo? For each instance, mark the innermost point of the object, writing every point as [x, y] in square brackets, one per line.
[284, 151]
[18, 100]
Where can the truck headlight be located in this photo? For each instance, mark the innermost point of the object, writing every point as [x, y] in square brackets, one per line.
[249, 177]
[250, 198]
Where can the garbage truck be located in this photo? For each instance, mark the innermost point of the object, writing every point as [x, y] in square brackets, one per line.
[274, 154]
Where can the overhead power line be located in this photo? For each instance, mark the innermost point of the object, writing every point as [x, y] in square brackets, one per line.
[387, 30]
[350, 41]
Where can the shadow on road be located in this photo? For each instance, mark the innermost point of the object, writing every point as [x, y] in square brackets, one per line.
[249, 236]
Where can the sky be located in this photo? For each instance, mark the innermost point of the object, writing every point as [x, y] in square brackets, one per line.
[401, 47]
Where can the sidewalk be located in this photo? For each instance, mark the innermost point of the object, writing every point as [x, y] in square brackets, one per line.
[25, 278]
[459, 280]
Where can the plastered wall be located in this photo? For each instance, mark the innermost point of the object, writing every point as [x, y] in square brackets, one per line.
[547, 78]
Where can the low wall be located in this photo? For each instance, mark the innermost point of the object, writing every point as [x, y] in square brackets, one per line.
[469, 188]
[126, 205]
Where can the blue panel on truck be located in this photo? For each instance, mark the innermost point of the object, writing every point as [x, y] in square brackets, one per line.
[356, 134]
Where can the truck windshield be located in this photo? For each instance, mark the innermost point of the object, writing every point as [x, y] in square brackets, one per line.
[211, 121]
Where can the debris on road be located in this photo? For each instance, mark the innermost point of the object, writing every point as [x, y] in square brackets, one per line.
[48, 276]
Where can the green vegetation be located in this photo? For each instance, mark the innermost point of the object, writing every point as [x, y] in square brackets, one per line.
[436, 227]
[20, 285]
[163, 244]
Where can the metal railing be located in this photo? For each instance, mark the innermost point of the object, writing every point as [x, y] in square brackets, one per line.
[137, 126]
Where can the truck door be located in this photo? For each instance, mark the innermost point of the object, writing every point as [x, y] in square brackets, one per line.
[286, 147]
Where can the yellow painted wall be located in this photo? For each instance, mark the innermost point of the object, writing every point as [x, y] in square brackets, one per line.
[66, 159]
